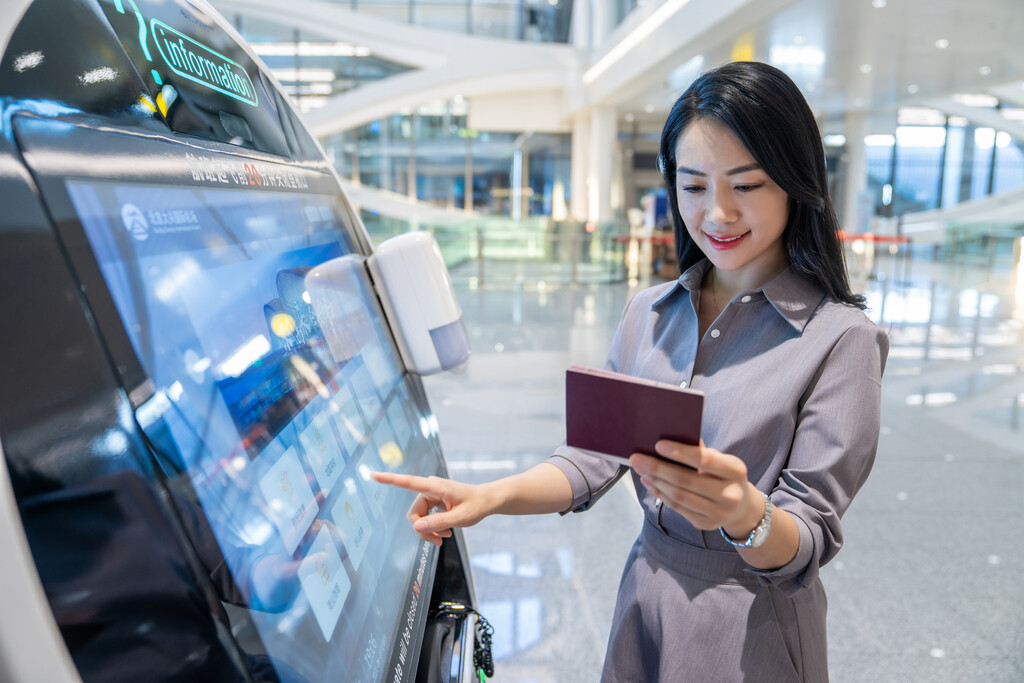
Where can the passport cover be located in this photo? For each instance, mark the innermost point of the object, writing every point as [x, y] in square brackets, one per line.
[614, 415]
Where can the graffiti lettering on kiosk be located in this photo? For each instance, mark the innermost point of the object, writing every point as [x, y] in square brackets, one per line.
[206, 169]
[192, 60]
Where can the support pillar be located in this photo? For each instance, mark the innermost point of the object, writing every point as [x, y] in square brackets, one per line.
[411, 184]
[600, 153]
[467, 194]
[855, 182]
[578, 170]
[387, 181]
[356, 177]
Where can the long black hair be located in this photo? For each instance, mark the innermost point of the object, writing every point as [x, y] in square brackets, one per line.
[767, 112]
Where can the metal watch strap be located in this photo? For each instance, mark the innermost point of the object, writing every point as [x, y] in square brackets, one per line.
[760, 532]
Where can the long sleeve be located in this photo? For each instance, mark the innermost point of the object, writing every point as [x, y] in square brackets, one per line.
[833, 449]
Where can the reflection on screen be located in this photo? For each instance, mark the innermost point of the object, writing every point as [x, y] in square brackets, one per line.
[278, 392]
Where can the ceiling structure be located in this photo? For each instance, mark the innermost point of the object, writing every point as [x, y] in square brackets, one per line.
[889, 60]
[865, 55]
[874, 56]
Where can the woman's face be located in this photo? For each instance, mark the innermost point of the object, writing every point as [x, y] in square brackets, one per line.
[733, 211]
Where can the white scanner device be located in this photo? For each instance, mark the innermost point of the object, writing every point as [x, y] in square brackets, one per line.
[419, 301]
[415, 292]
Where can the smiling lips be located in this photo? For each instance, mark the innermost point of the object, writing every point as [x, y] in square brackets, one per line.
[725, 242]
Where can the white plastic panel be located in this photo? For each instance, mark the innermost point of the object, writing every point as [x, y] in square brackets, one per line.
[417, 296]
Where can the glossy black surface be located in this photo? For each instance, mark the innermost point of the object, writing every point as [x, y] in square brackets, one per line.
[83, 60]
[63, 414]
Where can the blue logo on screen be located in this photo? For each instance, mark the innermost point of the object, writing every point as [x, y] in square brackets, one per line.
[135, 222]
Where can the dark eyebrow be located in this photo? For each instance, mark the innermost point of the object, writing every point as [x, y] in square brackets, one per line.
[732, 171]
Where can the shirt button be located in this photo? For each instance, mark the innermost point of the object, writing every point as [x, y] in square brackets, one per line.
[715, 334]
[682, 385]
[657, 502]
[745, 299]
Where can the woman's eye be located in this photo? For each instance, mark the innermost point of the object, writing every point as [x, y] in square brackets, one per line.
[692, 189]
[747, 188]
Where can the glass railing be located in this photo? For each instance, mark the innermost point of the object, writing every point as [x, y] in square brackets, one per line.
[985, 243]
[876, 256]
[493, 250]
[888, 253]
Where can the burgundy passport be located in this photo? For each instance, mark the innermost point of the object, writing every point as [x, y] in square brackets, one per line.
[614, 415]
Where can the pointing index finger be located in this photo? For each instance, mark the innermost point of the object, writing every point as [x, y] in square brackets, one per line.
[407, 481]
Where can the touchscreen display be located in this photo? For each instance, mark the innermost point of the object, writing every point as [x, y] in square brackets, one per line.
[277, 392]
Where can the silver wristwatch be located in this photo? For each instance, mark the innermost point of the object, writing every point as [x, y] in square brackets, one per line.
[760, 533]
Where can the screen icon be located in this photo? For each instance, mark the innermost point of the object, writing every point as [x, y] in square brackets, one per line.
[324, 582]
[290, 501]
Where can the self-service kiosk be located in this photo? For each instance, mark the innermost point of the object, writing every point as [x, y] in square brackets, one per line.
[198, 374]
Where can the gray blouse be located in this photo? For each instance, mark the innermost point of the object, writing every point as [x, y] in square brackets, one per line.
[792, 382]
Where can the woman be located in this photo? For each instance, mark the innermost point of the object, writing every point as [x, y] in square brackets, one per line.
[722, 583]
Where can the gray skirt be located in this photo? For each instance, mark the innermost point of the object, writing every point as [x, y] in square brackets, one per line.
[686, 613]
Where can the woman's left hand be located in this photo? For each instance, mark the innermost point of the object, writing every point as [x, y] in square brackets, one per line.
[707, 487]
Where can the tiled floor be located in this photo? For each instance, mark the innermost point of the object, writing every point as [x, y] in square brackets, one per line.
[928, 586]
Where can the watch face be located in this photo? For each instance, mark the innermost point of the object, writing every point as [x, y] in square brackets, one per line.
[760, 534]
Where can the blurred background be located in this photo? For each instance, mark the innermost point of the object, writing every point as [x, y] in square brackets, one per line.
[524, 133]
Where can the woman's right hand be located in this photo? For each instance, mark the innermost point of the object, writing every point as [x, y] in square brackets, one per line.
[464, 504]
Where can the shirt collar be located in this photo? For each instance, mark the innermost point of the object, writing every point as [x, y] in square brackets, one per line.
[690, 280]
[793, 296]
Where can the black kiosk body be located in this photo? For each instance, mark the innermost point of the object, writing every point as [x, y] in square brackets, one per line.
[184, 487]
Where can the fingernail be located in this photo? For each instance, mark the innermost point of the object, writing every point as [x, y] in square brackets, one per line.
[663, 448]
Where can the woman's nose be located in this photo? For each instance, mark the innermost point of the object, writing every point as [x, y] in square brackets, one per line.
[723, 208]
